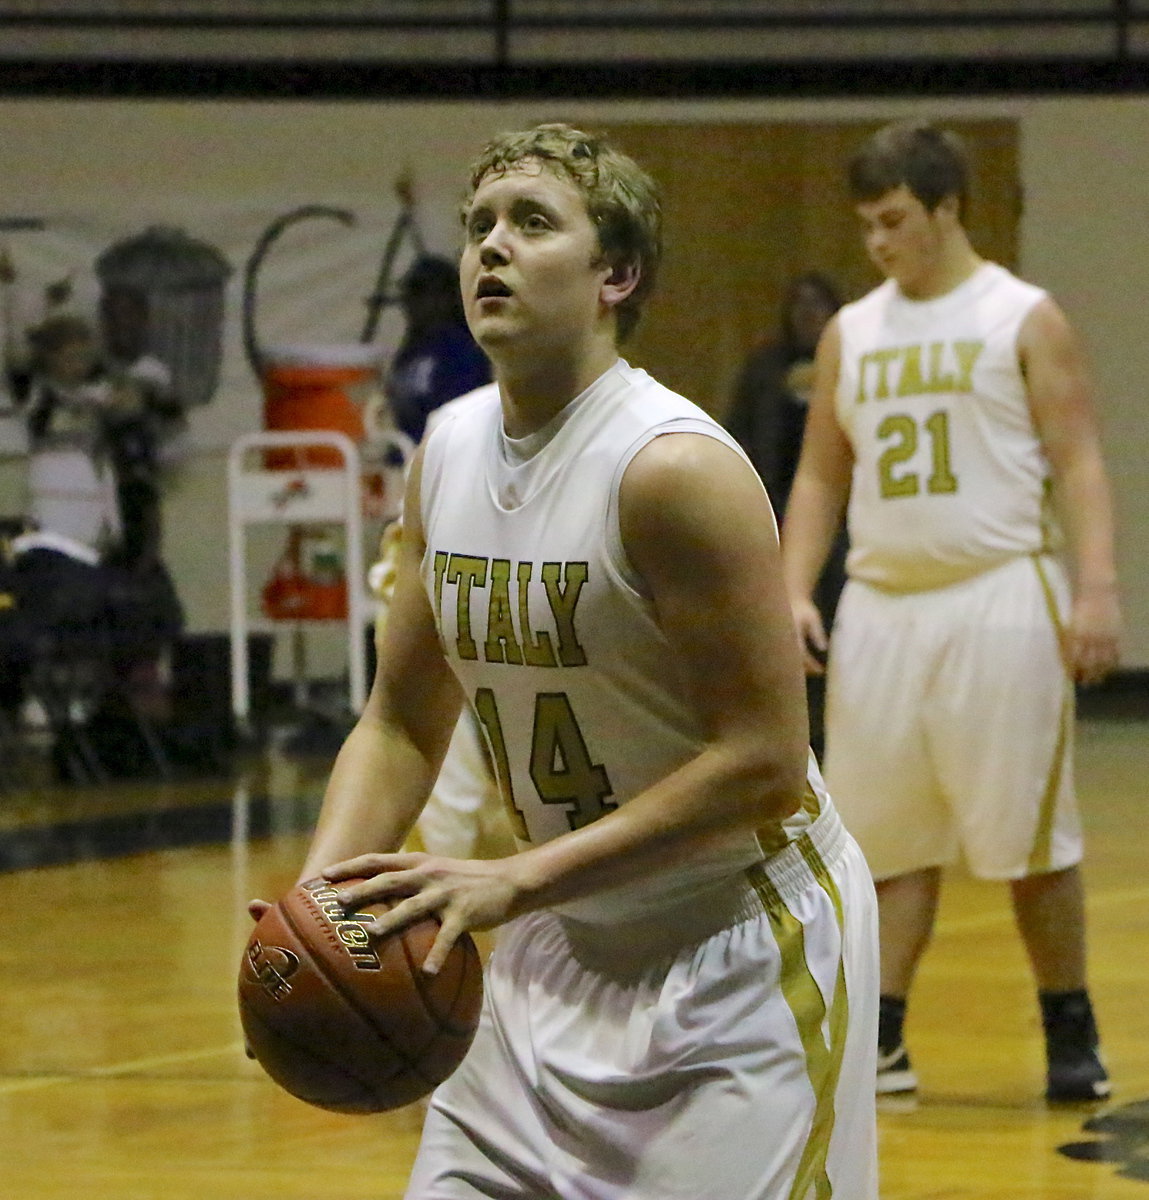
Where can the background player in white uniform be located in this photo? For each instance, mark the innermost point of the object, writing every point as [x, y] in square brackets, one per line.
[949, 402]
[463, 816]
[682, 998]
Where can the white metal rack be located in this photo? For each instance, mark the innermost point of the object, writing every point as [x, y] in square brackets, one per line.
[303, 495]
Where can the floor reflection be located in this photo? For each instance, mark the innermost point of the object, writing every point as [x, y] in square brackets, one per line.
[54, 825]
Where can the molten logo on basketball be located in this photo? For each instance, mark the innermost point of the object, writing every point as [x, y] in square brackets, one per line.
[271, 967]
[348, 927]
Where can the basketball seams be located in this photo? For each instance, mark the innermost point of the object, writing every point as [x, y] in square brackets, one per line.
[339, 986]
[447, 1024]
[365, 1086]
[334, 1067]
[389, 1034]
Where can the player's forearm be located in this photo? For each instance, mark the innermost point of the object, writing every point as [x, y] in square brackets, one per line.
[718, 794]
[813, 514]
[1086, 505]
[376, 791]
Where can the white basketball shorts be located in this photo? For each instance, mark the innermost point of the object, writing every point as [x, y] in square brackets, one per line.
[721, 1050]
[464, 815]
[950, 722]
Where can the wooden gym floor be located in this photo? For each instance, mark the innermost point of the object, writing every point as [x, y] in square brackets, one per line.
[122, 1076]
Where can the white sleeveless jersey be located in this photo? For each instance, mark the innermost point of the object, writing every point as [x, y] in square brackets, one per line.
[548, 629]
[949, 474]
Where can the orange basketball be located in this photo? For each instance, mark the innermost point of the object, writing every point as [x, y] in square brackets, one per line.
[348, 1023]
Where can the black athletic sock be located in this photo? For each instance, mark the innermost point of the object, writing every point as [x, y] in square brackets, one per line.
[1067, 1017]
[891, 1015]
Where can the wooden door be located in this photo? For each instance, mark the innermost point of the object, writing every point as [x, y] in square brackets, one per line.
[749, 206]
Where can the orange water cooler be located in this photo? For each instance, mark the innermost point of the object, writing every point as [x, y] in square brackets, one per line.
[323, 387]
[318, 386]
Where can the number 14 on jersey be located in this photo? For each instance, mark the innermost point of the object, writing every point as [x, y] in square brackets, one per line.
[561, 767]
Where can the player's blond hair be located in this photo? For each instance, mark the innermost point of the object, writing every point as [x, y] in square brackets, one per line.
[621, 198]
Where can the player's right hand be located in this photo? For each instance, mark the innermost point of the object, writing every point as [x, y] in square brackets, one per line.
[462, 894]
[1092, 637]
[811, 633]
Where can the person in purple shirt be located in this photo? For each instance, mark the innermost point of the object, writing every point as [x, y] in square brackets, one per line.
[437, 359]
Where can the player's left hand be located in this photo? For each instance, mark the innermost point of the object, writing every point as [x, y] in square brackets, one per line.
[1093, 636]
[464, 894]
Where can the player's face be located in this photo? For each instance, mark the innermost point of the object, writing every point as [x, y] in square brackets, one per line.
[904, 240]
[531, 269]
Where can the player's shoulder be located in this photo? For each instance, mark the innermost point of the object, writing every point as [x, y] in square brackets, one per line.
[651, 412]
[858, 321]
[472, 401]
[1012, 287]
[648, 400]
[459, 422]
[866, 310]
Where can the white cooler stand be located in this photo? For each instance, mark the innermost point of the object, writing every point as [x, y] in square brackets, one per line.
[303, 495]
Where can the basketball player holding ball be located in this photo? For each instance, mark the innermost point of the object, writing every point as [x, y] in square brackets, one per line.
[949, 403]
[681, 1001]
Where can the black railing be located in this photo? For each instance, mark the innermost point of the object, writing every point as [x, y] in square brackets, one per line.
[576, 47]
[503, 19]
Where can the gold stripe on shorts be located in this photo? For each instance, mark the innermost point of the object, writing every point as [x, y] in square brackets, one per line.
[774, 838]
[804, 998]
[1041, 853]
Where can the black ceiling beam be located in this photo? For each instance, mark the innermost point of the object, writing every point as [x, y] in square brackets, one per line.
[503, 19]
[342, 80]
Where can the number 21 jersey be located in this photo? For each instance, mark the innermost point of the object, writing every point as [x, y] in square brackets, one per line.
[949, 474]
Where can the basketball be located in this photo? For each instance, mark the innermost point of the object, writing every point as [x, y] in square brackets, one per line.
[347, 1023]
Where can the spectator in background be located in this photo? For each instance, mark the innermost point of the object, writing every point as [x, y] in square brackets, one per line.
[768, 418]
[91, 559]
[437, 359]
[66, 397]
[144, 428]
